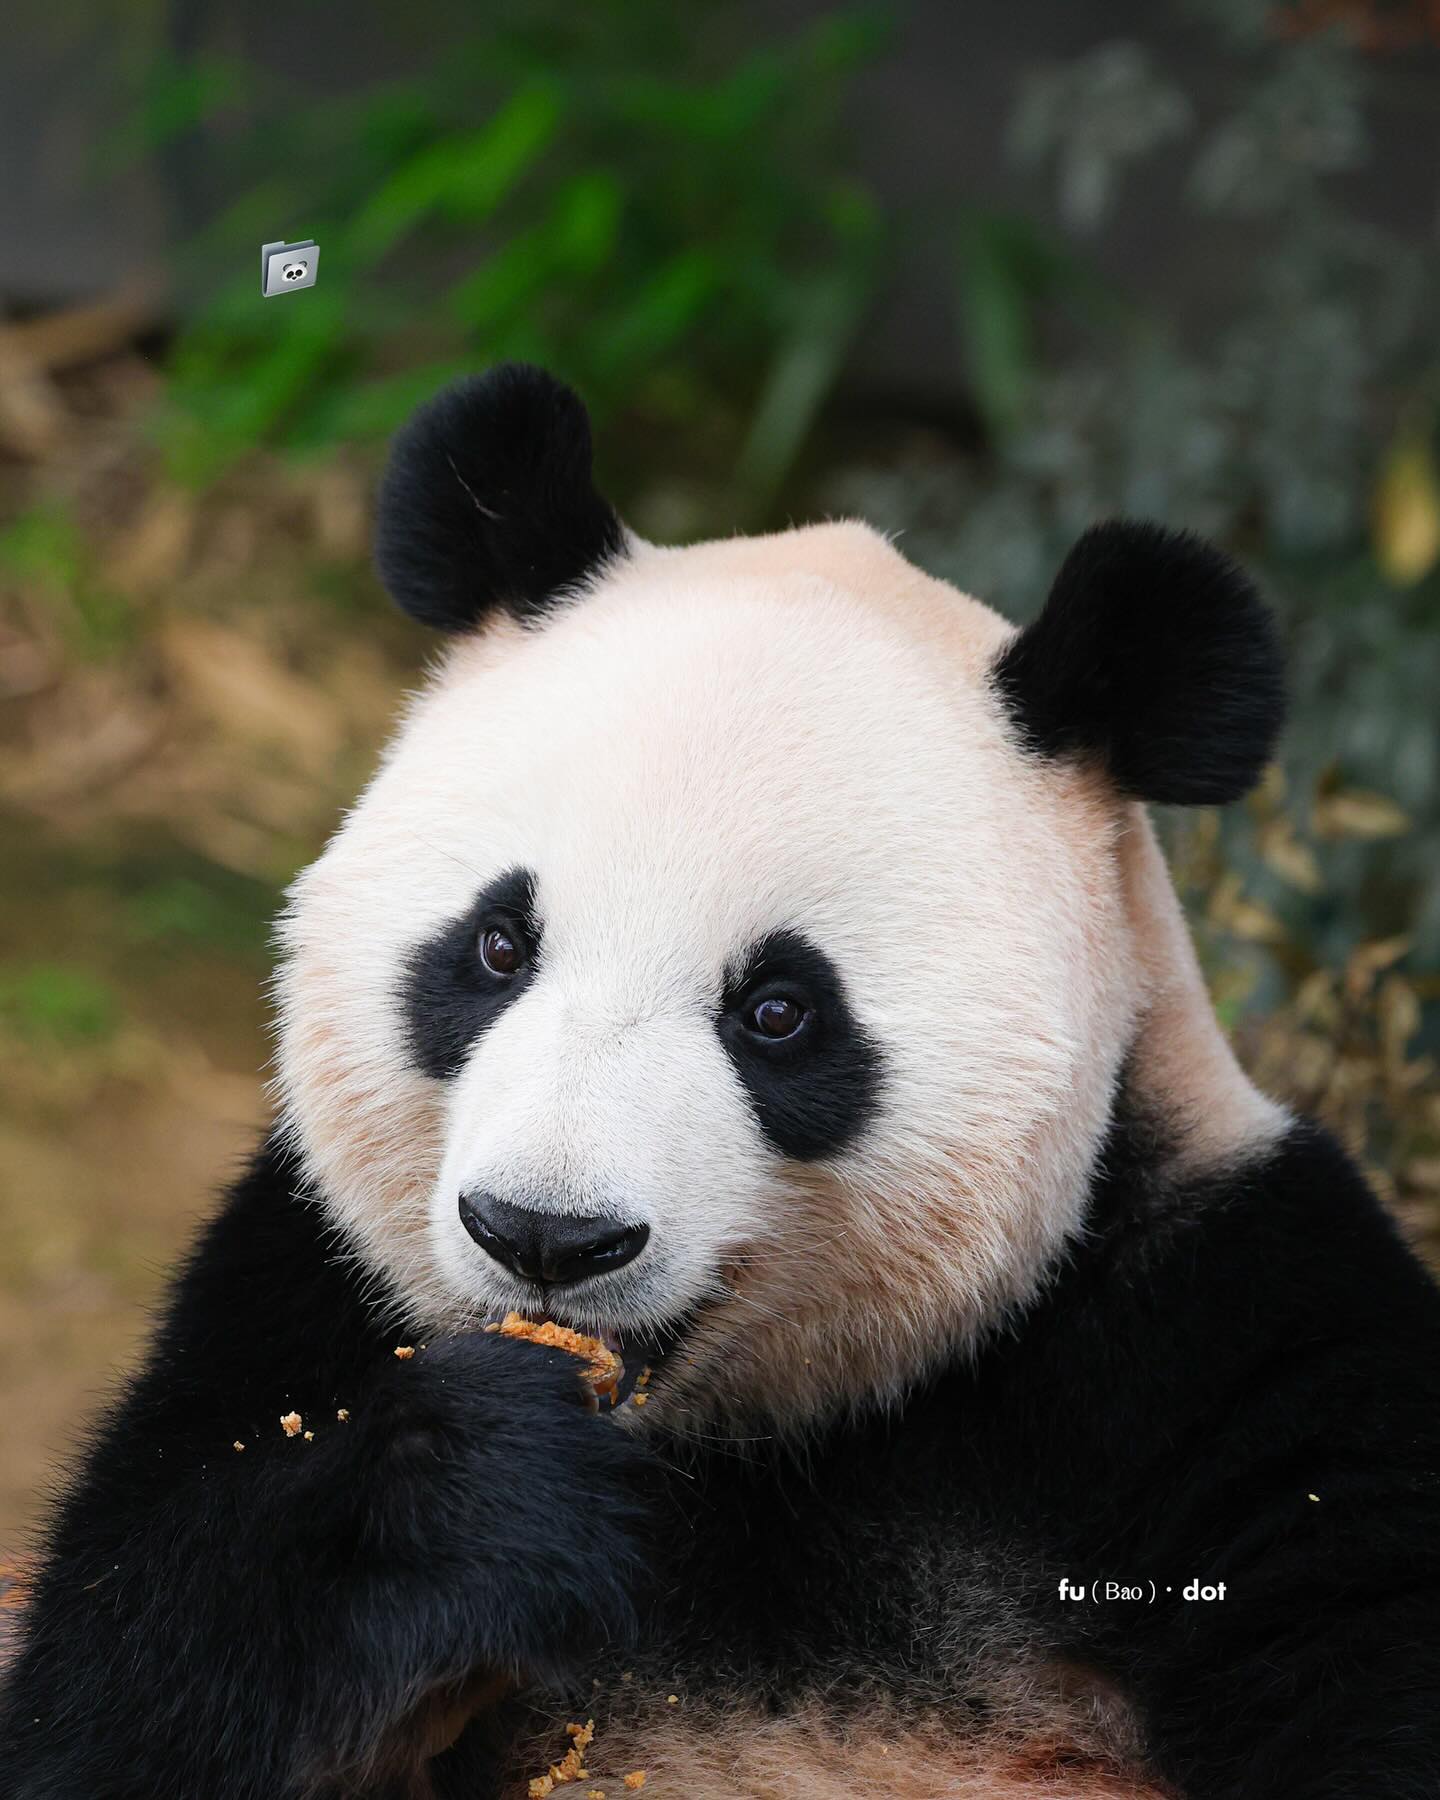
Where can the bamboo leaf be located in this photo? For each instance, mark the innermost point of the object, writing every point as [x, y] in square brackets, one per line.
[1358, 813]
[1406, 514]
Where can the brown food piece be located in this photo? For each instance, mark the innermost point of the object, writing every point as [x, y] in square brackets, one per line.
[603, 1368]
[635, 1780]
[290, 1424]
[404, 1351]
[571, 1766]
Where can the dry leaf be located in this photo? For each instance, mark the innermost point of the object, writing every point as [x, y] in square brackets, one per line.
[235, 682]
[1367, 962]
[1398, 1010]
[156, 547]
[1291, 860]
[1358, 813]
[1407, 511]
[57, 340]
[1255, 923]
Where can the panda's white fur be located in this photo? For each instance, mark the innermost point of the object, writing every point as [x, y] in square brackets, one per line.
[791, 732]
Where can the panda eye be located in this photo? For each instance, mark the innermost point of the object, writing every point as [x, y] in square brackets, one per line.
[501, 951]
[777, 1017]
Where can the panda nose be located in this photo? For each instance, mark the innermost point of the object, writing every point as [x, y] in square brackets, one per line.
[547, 1247]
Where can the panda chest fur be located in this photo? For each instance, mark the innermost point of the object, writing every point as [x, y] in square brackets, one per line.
[844, 1622]
[1041, 1746]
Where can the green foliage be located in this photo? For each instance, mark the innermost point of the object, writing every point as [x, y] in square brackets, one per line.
[219, 913]
[43, 545]
[45, 549]
[57, 1005]
[1008, 271]
[615, 191]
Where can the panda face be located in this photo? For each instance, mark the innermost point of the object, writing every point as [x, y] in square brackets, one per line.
[715, 959]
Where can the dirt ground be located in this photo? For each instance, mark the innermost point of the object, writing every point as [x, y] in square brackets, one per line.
[109, 1152]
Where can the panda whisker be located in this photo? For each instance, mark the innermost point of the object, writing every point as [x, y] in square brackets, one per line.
[772, 1315]
[729, 1443]
[440, 850]
[785, 1243]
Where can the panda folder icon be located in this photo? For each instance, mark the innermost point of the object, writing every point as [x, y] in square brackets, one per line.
[285, 267]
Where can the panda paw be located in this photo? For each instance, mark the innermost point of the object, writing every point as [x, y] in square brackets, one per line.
[493, 1487]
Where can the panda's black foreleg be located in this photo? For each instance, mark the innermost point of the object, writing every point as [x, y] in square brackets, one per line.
[315, 1611]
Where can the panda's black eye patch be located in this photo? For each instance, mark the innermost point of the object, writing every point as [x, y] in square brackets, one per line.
[461, 978]
[812, 1074]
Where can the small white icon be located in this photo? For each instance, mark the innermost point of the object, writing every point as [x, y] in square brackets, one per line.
[285, 267]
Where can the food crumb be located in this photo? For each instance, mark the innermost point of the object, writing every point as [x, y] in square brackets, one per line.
[594, 1794]
[641, 1399]
[571, 1766]
[672, 1699]
[290, 1424]
[404, 1351]
[309, 1437]
[635, 1779]
[343, 1415]
[643, 1378]
[237, 1445]
[1314, 1497]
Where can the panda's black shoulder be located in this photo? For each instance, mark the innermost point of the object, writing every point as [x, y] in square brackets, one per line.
[1264, 1313]
[269, 1301]
[273, 1239]
[1293, 1216]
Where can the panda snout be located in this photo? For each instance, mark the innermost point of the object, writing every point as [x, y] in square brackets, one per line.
[551, 1248]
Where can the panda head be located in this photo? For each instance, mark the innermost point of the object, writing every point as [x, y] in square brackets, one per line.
[740, 946]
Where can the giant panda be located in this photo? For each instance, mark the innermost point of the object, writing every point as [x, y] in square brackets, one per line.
[758, 955]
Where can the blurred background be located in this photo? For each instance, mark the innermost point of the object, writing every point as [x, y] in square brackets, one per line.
[981, 273]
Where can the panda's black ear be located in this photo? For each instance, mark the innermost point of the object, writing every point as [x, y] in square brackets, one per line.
[488, 502]
[1156, 656]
